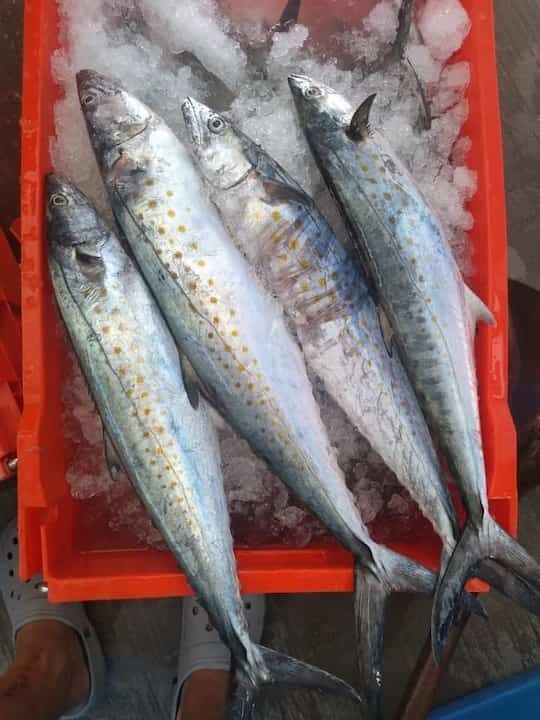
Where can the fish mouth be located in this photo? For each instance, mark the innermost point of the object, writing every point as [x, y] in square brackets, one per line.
[192, 111]
[297, 83]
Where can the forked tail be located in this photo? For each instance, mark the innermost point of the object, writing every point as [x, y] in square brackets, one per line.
[283, 671]
[489, 553]
[372, 589]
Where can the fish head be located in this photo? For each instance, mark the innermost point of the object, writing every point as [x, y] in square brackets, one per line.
[318, 105]
[114, 117]
[216, 144]
[75, 232]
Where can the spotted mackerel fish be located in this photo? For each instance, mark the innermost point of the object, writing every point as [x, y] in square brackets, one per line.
[287, 240]
[433, 314]
[165, 442]
[232, 332]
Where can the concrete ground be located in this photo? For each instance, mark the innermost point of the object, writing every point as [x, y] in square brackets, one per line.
[141, 638]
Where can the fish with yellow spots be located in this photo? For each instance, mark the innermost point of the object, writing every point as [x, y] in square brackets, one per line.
[256, 376]
[294, 249]
[165, 442]
[433, 314]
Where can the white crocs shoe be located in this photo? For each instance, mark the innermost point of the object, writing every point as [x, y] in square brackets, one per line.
[27, 602]
[201, 647]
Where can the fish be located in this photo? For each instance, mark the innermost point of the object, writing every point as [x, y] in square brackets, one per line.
[227, 325]
[402, 245]
[344, 338]
[167, 446]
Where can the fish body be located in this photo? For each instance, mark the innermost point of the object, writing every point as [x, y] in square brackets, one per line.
[230, 329]
[285, 237]
[402, 245]
[167, 446]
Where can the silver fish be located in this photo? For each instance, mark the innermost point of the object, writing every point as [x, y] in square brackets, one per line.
[433, 313]
[227, 325]
[285, 237]
[167, 446]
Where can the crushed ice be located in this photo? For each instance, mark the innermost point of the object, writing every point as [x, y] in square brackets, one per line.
[163, 51]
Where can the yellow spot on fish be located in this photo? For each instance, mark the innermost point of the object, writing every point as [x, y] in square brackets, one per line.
[170, 193]
[228, 348]
[282, 258]
[193, 286]
[213, 300]
[234, 333]
[276, 215]
[152, 204]
[250, 386]
[210, 335]
[305, 287]
[144, 394]
[365, 168]
[241, 368]
[421, 278]
[159, 451]
[121, 371]
[136, 195]
[181, 228]
[103, 293]
[428, 300]
[262, 402]
[106, 329]
[434, 318]
[294, 244]
[194, 246]
[387, 196]
[201, 263]
[178, 255]
[140, 216]
[171, 213]
[117, 350]
[372, 181]
[322, 282]
[410, 241]
[304, 264]
[174, 275]
[129, 392]
[210, 282]
[149, 182]
[161, 230]
[232, 313]
[146, 434]
[147, 411]
[256, 215]
[245, 348]
[215, 320]
[226, 366]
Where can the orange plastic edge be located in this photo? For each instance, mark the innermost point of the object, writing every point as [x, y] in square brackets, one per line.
[47, 513]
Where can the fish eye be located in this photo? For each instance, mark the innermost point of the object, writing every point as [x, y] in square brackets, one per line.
[312, 92]
[216, 124]
[59, 200]
[89, 99]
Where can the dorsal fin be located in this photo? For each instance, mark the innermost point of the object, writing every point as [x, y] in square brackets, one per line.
[359, 126]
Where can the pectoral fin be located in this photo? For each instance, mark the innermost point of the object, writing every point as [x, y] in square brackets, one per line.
[195, 387]
[111, 456]
[387, 331]
[478, 311]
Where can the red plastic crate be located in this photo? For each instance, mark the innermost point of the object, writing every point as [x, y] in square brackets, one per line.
[85, 560]
[10, 356]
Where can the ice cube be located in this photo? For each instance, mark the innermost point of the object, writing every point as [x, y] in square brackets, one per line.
[444, 25]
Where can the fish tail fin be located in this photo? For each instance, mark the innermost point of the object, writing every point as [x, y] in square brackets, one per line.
[280, 670]
[485, 551]
[371, 594]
